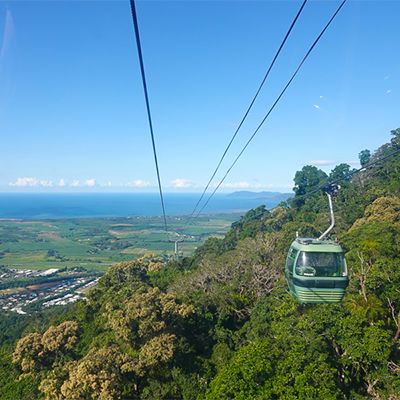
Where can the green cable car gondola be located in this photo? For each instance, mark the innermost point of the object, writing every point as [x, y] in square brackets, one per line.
[316, 270]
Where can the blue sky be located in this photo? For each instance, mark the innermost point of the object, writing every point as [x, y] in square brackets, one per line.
[72, 113]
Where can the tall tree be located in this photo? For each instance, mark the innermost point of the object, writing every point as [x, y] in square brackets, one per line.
[395, 141]
[364, 156]
[341, 173]
[308, 179]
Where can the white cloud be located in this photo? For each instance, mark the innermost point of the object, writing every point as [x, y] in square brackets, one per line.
[33, 182]
[322, 163]
[353, 162]
[107, 184]
[24, 182]
[388, 91]
[245, 185]
[181, 183]
[46, 183]
[328, 163]
[316, 106]
[90, 182]
[321, 97]
[236, 185]
[29, 181]
[138, 183]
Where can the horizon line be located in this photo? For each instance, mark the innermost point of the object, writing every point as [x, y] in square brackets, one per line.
[134, 192]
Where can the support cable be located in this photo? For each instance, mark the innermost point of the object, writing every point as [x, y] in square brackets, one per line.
[139, 49]
[350, 174]
[251, 105]
[273, 106]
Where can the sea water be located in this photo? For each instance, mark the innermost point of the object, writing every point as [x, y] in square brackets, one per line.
[86, 205]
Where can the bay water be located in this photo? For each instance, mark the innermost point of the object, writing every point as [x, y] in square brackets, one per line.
[86, 205]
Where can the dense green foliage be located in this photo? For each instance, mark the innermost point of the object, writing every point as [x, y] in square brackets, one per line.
[221, 324]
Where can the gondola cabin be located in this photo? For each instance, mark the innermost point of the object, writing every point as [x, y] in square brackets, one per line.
[316, 271]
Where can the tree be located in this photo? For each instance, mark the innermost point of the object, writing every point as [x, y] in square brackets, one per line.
[308, 179]
[287, 359]
[222, 325]
[395, 141]
[364, 157]
[251, 223]
[341, 173]
[98, 375]
[35, 352]
[232, 282]
[246, 376]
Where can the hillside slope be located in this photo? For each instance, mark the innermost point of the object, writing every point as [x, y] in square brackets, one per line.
[221, 324]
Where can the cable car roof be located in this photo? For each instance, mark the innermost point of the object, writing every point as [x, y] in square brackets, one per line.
[310, 244]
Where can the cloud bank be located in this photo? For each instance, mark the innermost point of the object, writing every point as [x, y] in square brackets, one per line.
[180, 183]
[322, 163]
[29, 181]
[138, 183]
[33, 182]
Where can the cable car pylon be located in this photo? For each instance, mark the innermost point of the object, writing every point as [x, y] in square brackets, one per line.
[179, 239]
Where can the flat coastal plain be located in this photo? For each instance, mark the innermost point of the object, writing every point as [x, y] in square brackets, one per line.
[97, 243]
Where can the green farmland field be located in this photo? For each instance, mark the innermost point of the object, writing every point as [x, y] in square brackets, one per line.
[96, 243]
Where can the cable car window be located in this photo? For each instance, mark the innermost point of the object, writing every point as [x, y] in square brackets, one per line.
[293, 253]
[290, 260]
[320, 264]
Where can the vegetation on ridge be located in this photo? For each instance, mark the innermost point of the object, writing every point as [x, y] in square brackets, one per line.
[221, 325]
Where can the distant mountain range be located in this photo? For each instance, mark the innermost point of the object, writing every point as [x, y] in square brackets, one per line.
[265, 196]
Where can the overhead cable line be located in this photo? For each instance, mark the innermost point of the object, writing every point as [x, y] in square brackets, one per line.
[139, 49]
[273, 106]
[251, 105]
[351, 173]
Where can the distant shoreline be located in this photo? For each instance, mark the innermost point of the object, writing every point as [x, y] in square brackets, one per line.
[43, 206]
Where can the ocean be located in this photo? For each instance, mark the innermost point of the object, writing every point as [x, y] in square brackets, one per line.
[90, 205]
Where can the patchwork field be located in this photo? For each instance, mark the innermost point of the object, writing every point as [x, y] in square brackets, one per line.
[96, 243]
